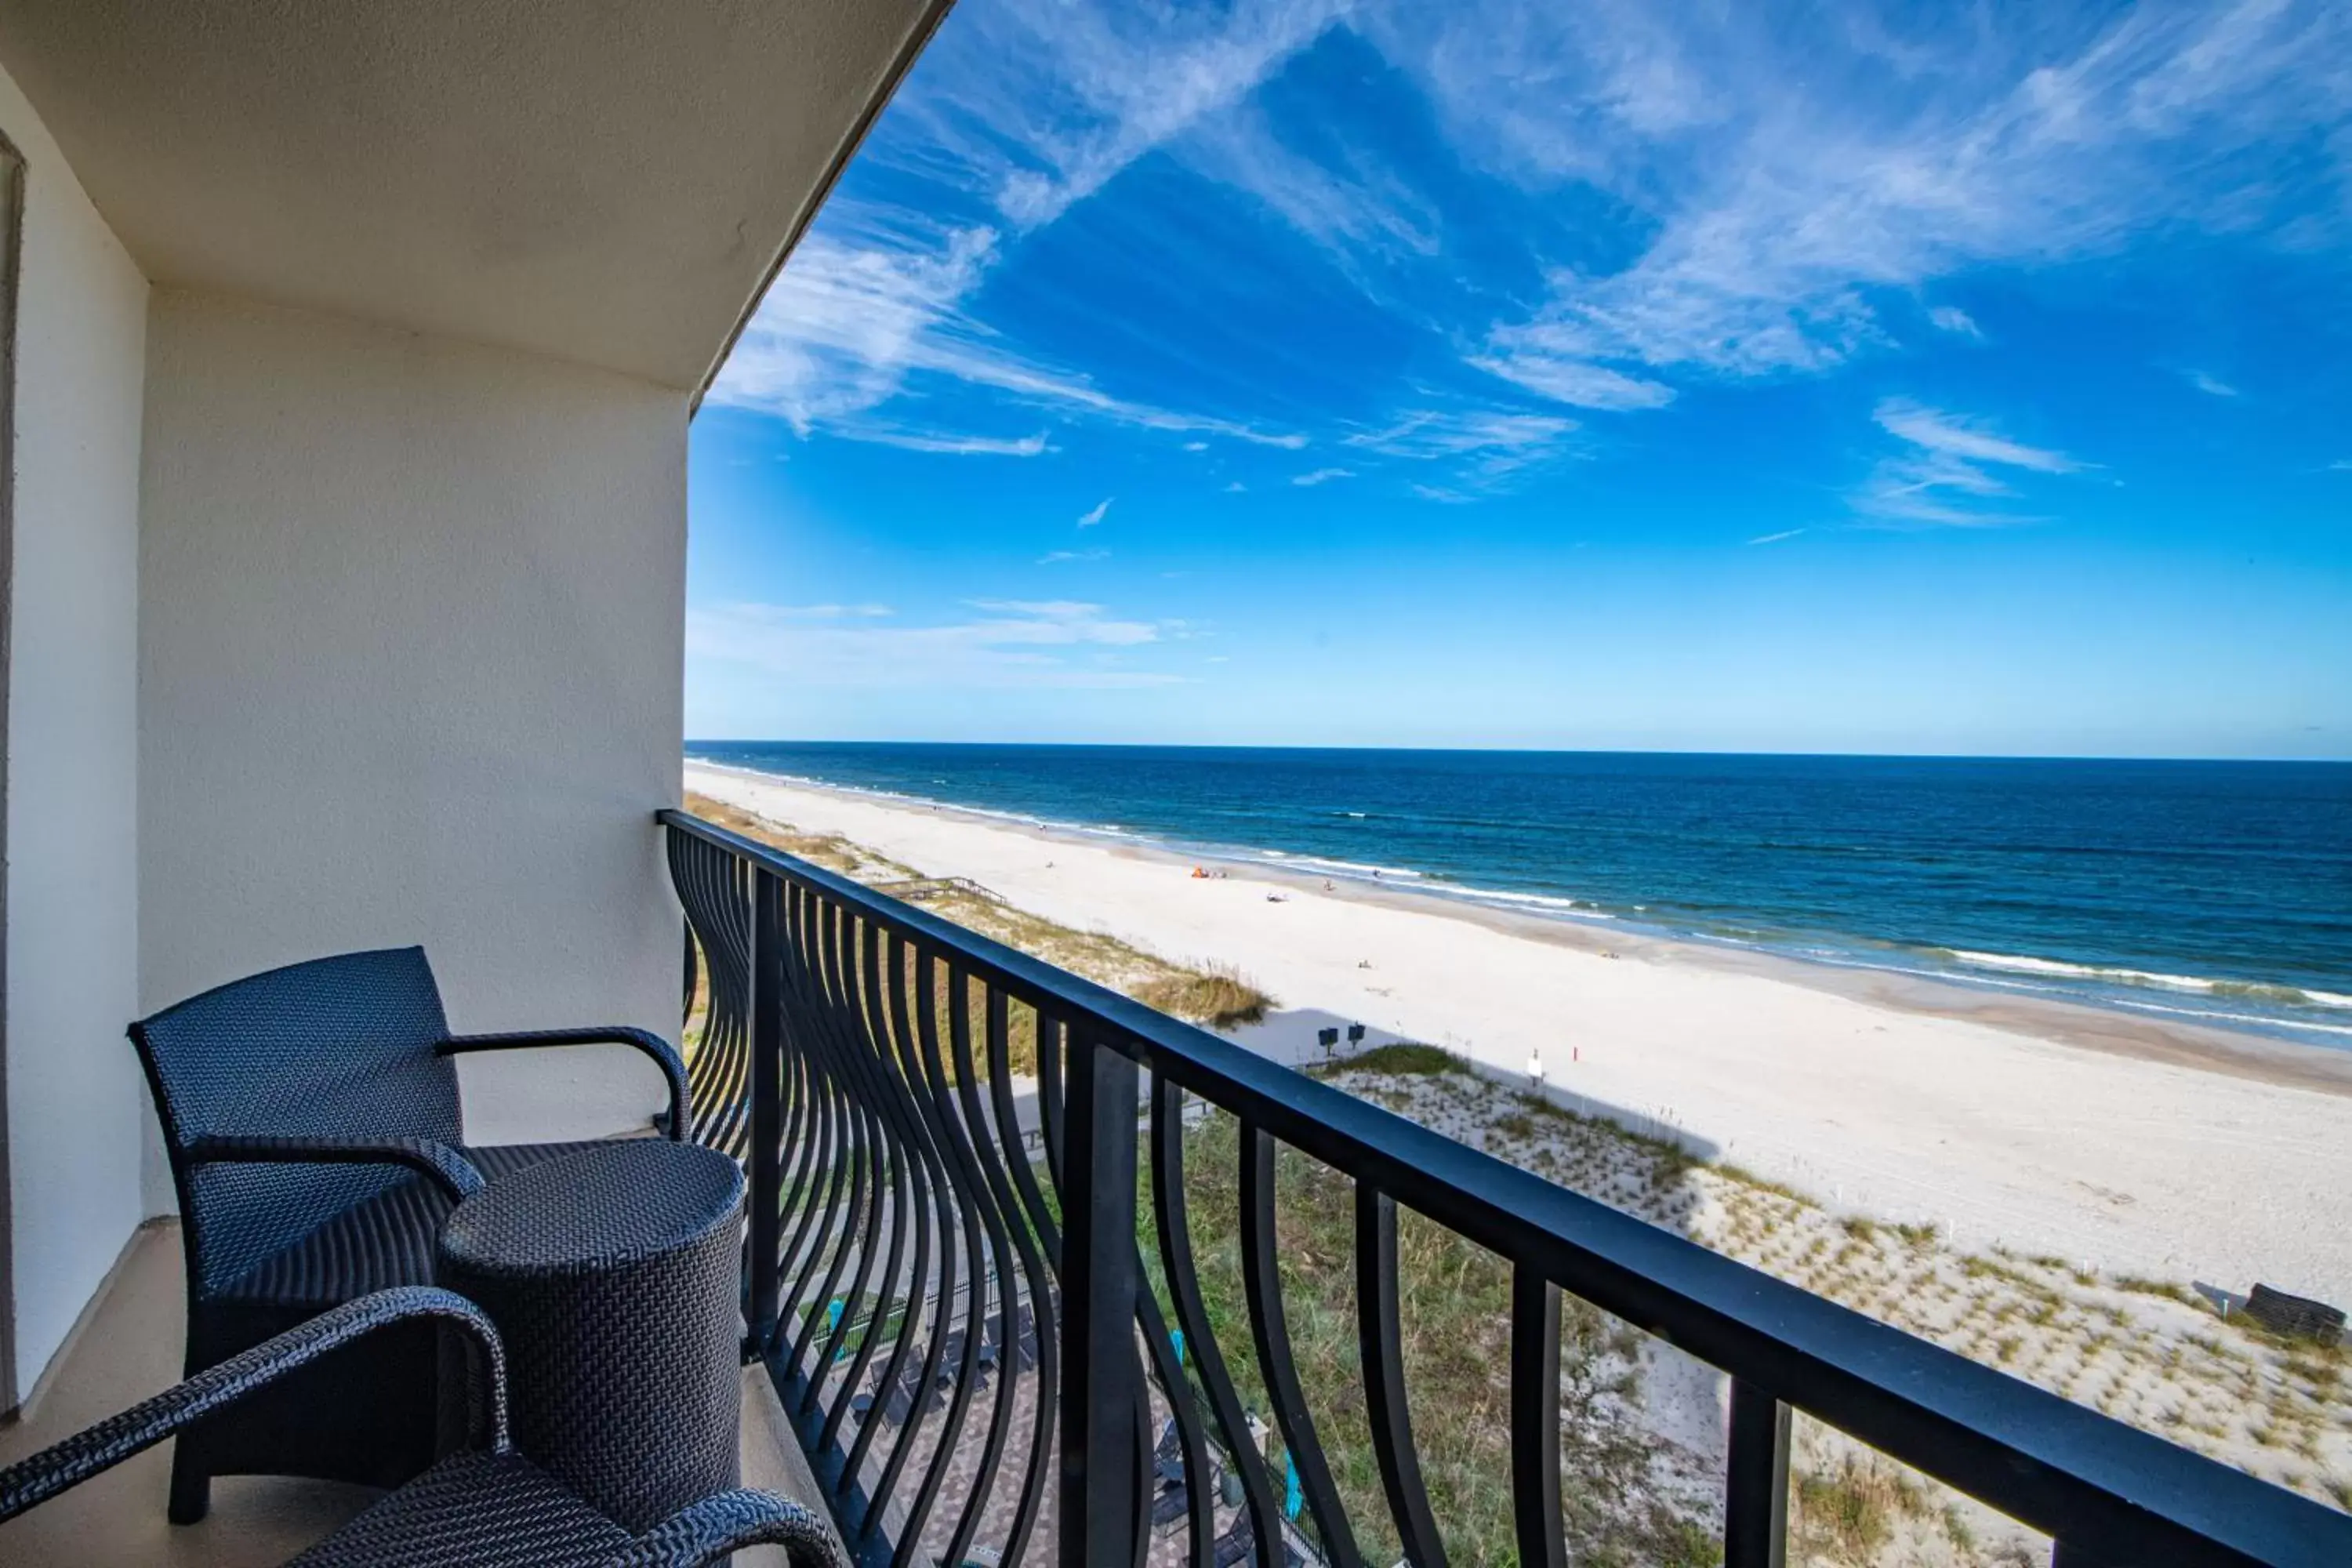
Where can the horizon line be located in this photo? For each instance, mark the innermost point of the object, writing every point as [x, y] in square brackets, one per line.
[1538, 751]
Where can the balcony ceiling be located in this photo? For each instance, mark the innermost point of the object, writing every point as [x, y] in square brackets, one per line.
[610, 181]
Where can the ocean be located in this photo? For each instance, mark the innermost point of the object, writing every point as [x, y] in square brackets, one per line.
[2211, 891]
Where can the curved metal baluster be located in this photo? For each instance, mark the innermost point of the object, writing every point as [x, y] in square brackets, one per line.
[1193, 1443]
[722, 1125]
[1535, 1420]
[827, 1136]
[897, 1046]
[1009, 1238]
[797, 1183]
[843, 1021]
[832, 1212]
[727, 1126]
[712, 888]
[1050, 1117]
[688, 858]
[1040, 1247]
[804, 1030]
[1168, 1213]
[808, 1112]
[975, 1219]
[1017, 1145]
[1380, 1336]
[908, 1177]
[1262, 1281]
[869, 1174]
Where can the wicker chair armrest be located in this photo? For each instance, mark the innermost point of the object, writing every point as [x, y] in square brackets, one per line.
[69, 1464]
[706, 1532]
[435, 1161]
[644, 1040]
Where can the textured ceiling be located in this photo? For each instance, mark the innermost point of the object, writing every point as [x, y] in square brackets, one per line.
[610, 181]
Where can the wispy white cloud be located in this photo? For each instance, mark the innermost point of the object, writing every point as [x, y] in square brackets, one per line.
[875, 308]
[2212, 385]
[1956, 436]
[1095, 513]
[998, 643]
[1055, 557]
[1772, 188]
[1548, 359]
[951, 445]
[1426, 433]
[1323, 476]
[1947, 476]
[1481, 449]
[828, 612]
[1784, 182]
[1952, 319]
[1775, 538]
[1119, 82]
[1196, 446]
[1037, 106]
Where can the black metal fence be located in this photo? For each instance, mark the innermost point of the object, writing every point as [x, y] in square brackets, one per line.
[945, 1280]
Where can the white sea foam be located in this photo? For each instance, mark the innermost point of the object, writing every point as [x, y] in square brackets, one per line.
[1581, 910]
[1348, 867]
[2190, 984]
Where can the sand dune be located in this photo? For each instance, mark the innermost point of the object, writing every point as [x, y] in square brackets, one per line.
[2181, 1153]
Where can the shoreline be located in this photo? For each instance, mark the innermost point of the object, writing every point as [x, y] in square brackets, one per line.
[2047, 1126]
[2082, 1023]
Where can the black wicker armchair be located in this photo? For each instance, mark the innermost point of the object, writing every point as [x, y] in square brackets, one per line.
[481, 1506]
[311, 1118]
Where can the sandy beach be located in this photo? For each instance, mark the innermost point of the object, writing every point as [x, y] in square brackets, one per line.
[2113, 1140]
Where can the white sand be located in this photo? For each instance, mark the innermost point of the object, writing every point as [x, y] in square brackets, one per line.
[2181, 1155]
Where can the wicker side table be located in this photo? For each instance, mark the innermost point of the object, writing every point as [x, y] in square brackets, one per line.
[612, 1275]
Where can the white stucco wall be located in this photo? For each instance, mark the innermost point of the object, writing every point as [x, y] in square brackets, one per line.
[75, 1103]
[411, 648]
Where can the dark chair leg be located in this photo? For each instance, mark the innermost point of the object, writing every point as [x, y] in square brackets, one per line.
[192, 1488]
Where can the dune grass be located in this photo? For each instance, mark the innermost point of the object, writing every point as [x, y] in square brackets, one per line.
[1454, 1315]
[1216, 995]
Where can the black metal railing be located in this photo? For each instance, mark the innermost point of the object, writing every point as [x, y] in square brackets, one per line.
[935, 1228]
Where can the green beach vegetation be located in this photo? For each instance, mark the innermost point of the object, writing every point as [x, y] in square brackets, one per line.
[1214, 996]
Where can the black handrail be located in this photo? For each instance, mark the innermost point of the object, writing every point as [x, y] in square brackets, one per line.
[2108, 1493]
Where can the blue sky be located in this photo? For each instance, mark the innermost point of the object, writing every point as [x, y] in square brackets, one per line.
[1614, 375]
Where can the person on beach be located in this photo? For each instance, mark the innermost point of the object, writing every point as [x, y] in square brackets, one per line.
[1536, 1071]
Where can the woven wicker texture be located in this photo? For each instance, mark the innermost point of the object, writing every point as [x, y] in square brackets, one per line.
[598, 1209]
[716, 1526]
[384, 1242]
[484, 1507]
[337, 1048]
[612, 1276]
[473, 1510]
[312, 1117]
[143, 1426]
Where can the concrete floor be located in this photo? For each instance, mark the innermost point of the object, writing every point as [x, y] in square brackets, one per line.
[128, 1349]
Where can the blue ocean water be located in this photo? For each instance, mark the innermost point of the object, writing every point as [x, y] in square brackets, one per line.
[2213, 890]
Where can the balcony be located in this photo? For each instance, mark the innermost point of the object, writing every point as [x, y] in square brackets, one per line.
[1024, 1260]
[988, 1283]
